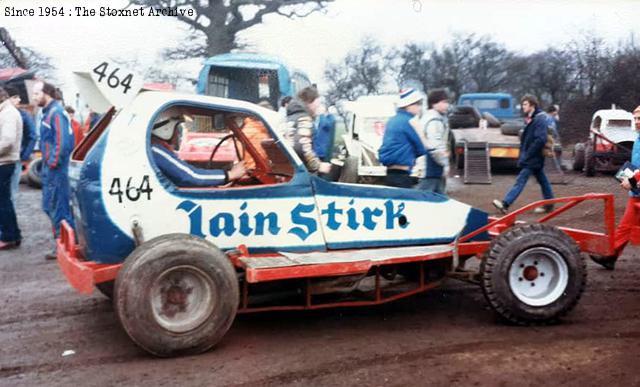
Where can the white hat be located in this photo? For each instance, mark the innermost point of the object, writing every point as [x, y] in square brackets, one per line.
[164, 128]
[409, 97]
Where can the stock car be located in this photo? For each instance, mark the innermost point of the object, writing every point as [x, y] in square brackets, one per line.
[179, 263]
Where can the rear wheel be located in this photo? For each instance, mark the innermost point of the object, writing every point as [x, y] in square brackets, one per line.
[578, 157]
[533, 274]
[34, 171]
[106, 288]
[349, 173]
[589, 160]
[176, 295]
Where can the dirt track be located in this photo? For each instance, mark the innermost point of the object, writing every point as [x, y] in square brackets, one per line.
[446, 337]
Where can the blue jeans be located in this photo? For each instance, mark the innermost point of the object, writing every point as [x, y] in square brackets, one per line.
[521, 181]
[398, 178]
[15, 183]
[56, 197]
[433, 184]
[9, 231]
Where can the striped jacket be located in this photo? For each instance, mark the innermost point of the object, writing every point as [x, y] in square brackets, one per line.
[299, 134]
[56, 136]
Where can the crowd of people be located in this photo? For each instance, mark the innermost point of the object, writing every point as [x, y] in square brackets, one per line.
[408, 135]
[56, 132]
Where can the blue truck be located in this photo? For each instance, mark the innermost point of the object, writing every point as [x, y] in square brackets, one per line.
[500, 105]
[250, 77]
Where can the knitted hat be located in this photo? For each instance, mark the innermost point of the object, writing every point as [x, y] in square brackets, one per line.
[409, 97]
[436, 96]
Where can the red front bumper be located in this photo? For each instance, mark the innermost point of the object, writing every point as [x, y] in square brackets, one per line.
[82, 275]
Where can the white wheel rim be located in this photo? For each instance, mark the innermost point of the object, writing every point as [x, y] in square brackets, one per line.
[538, 276]
[182, 298]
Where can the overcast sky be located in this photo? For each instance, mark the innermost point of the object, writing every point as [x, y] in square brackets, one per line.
[526, 26]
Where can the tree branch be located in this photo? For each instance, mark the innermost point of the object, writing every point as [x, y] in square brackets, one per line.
[271, 6]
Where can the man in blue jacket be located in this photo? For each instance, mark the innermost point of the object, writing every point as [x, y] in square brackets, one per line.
[324, 133]
[401, 144]
[56, 144]
[531, 158]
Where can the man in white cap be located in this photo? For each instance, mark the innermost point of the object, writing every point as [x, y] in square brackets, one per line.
[401, 145]
[164, 134]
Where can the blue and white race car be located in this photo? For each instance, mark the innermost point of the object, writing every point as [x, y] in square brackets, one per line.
[180, 262]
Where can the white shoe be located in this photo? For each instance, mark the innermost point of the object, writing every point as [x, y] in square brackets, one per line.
[543, 210]
[499, 204]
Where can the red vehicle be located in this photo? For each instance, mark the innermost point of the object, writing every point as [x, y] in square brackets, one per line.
[611, 137]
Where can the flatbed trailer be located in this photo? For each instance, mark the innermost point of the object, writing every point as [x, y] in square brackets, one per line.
[500, 145]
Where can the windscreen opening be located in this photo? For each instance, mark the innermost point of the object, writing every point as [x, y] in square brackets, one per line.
[91, 138]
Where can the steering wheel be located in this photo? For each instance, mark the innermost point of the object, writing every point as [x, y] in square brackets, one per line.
[222, 140]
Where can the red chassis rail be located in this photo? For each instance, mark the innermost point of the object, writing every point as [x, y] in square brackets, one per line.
[83, 275]
[611, 143]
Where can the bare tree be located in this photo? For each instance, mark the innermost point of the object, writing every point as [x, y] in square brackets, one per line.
[413, 64]
[451, 65]
[361, 72]
[220, 21]
[36, 61]
[622, 86]
[592, 61]
[487, 64]
[157, 71]
[553, 75]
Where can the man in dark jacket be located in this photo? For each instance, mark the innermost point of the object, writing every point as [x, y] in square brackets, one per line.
[401, 144]
[531, 158]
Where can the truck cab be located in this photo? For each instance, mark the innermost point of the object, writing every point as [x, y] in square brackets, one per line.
[500, 105]
[250, 77]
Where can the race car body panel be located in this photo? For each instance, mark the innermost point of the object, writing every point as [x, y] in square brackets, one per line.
[118, 188]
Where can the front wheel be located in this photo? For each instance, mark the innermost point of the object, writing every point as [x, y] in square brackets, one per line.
[533, 274]
[176, 295]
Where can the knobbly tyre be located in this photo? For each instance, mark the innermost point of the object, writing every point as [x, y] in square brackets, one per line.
[180, 262]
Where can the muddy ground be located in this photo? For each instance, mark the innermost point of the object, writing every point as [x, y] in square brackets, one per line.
[446, 337]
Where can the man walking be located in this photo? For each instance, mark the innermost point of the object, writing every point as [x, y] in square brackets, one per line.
[401, 145]
[531, 158]
[436, 141]
[10, 140]
[56, 138]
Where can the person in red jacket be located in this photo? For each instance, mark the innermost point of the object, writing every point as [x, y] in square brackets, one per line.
[631, 217]
[78, 132]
